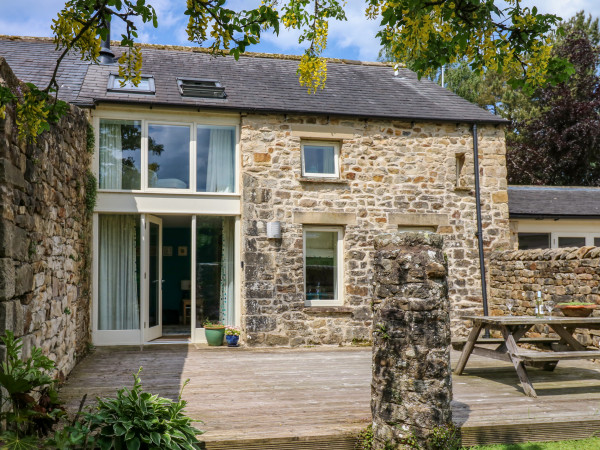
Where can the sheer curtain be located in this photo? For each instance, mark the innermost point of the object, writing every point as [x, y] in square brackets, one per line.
[220, 170]
[227, 306]
[328, 160]
[118, 285]
[111, 155]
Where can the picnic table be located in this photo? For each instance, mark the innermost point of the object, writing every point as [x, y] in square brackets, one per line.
[513, 329]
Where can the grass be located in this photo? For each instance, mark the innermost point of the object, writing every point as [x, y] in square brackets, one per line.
[584, 444]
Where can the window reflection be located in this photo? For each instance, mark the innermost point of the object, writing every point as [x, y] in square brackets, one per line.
[169, 156]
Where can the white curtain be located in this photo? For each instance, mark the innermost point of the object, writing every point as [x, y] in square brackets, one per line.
[117, 284]
[328, 160]
[111, 155]
[227, 306]
[220, 168]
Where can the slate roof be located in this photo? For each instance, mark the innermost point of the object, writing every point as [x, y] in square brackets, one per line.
[257, 82]
[553, 201]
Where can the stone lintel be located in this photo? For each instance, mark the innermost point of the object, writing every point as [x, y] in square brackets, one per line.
[431, 220]
[325, 218]
[328, 310]
[308, 131]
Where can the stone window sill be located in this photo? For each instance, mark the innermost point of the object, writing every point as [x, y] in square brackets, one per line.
[323, 180]
[328, 310]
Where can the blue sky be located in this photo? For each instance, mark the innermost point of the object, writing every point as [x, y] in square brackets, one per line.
[353, 39]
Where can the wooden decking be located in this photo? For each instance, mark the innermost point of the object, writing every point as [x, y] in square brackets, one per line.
[322, 395]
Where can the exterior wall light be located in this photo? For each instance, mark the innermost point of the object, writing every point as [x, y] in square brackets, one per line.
[274, 230]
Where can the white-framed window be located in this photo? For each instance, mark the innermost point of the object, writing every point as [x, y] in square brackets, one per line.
[561, 239]
[323, 249]
[166, 156]
[573, 239]
[117, 83]
[320, 159]
[530, 241]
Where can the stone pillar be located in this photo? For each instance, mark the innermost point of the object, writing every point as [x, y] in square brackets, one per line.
[412, 385]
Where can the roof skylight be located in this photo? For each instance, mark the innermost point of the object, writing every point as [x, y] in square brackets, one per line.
[118, 84]
[196, 87]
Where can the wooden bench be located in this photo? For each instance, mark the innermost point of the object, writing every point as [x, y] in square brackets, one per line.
[553, 356]
[458, 344]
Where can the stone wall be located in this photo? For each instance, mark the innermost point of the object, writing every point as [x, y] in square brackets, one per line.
[562, 275]
[44, 233]
[392, 174]
[412, 381]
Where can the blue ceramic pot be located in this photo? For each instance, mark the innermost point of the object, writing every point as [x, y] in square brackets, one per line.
[232, 341]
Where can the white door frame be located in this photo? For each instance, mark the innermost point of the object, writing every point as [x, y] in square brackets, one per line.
[198, 335]
[151, 333]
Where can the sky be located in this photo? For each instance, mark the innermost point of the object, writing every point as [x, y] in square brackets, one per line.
[353, 39]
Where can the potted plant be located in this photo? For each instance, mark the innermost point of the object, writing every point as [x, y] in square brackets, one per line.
[214, 332]
[576, 309]
[232, 335]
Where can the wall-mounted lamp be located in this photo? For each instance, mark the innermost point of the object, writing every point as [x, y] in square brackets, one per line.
[274, 230]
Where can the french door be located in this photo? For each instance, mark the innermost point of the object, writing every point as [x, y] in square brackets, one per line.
[153, 279]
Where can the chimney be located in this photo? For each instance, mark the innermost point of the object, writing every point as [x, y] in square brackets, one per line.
[106, 54]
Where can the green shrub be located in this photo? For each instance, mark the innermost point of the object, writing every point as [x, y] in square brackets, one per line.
[31, 408]
[140, 420]
[445, 438]
[364, 440]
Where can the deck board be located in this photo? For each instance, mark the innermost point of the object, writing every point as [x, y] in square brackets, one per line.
[318, 392]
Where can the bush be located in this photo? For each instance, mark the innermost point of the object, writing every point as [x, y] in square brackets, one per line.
[133, 420]
[31, 408]
[140, 420]
[364, 440]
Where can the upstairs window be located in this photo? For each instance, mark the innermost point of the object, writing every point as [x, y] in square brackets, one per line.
[320, 159]
[169, 156]
[136, 155]
[118, 84]
[120, 154]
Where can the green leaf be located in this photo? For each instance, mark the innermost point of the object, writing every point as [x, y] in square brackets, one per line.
[133, 444]
[119, 429]
[155, 437]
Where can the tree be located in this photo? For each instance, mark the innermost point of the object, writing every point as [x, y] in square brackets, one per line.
[426, 33]
[491, 90]
[579, 22]
[562, 145]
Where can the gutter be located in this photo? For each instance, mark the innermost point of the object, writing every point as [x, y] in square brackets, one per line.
[479, 226]
[538, 216]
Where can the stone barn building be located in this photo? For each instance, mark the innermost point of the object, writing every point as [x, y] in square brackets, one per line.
[226, 192]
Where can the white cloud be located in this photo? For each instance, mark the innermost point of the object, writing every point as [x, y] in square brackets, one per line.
[356, 34]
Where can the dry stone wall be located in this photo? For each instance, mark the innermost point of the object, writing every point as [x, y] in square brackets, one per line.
[392, 174]
[411, 389]
[44, 235]
[562, 275]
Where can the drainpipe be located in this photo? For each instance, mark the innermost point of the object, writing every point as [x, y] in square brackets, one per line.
[479, 227]
[106, 54]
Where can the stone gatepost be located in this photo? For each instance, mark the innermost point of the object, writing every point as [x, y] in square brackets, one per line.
[412, 385]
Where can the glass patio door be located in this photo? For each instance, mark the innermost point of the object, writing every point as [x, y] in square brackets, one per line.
[153, 279]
